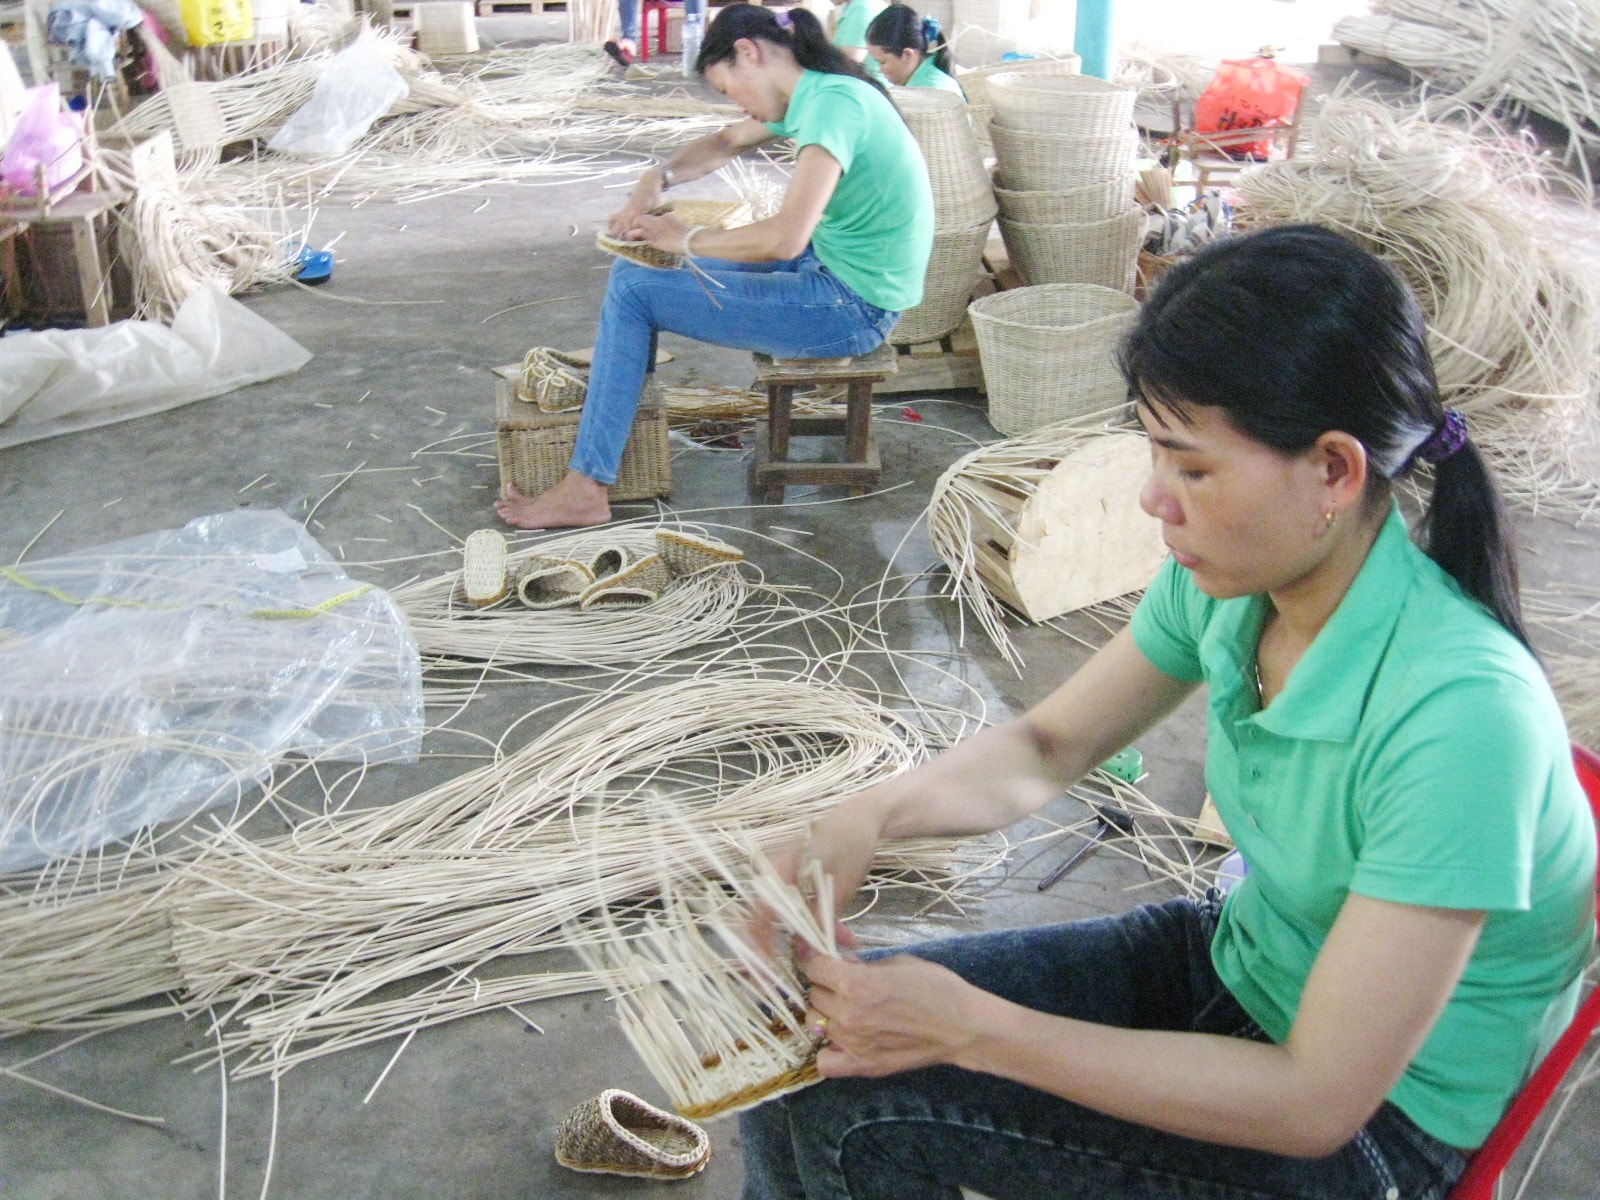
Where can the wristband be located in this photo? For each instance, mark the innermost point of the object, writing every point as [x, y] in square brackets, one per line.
[666, 175]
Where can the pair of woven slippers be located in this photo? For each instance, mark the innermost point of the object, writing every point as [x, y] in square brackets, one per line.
[617, 1133]
[610, 579]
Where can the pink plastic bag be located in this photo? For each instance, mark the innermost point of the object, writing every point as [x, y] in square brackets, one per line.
[45, 136]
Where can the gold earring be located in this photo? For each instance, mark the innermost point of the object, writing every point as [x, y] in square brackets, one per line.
[1330, 517]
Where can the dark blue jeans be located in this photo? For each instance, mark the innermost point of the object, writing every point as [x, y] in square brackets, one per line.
[923, 1135]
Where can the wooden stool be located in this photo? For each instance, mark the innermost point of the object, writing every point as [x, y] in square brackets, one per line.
[772, 470]
[82, 212]
[659, 7]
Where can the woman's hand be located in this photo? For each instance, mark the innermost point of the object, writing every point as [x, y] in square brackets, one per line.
[664, 232]
[843, 842]
[646, 195]
[890, 1015]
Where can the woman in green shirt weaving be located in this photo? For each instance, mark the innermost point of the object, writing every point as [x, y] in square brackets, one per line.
[1352, 1019]
[825, 277]
[910, 50]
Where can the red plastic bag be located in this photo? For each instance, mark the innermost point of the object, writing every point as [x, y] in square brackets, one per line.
[44, 136]
[1248, 93]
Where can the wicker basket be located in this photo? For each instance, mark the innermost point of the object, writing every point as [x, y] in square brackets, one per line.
[1048, 352]
[962, 195]
[1091, 202]
[1105, 253]
[536, 447]
[1060, 105]
[976, 85]
[954, 267]
[1037, 162]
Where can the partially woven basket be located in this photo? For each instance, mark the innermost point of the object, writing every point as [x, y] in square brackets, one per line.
[1048, 352]
[1090, 202]
[976, 85]
[713, 214]
[962, 195]
[1042, 162]
[1105, 253]
[954, 267]
[1060, 105]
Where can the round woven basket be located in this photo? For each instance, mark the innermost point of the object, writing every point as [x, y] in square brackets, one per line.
[954, 267]
[962, 195]
[1091, 202]
[1060, 105]
[976, 85]
[1105, 253]
[1038, 162]
[1048, 352]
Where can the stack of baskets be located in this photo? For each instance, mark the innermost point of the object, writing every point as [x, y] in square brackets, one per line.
[1049, 352]
[963, 211]
[975, 83]
[1065, 146]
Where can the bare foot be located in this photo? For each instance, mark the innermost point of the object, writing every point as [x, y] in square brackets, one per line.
[577, 500]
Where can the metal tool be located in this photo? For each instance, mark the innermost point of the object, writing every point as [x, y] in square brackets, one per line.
[1106, 820]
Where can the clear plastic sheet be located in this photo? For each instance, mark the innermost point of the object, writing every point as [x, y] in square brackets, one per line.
[150, 679]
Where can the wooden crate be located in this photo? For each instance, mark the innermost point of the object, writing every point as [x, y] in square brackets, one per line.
[492, 8]
[535, 447]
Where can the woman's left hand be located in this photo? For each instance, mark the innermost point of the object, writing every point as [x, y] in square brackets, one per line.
[665, 232]
[889, 1015]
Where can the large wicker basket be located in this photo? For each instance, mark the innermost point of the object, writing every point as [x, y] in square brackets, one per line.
[1061, 105]
[1048, 352]
[954, 267]
[1040, 162]
[535, 447]
[1090, 202]
[976, 85]
[962, 195]
[1105, 253]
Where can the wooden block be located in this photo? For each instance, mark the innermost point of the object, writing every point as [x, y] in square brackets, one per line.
[445, 28]
[1208, 826]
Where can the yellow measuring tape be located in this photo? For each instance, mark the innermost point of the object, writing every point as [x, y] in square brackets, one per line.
[260, 614]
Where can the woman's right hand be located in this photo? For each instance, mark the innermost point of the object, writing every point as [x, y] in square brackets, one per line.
[843, 841]
[646, 195]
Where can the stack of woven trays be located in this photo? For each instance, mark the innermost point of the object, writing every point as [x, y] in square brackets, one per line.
[1065, 146]
[535, 446]
[1049, 352]
[963, 211]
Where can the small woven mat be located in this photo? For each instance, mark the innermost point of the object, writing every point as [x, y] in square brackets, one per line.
[619, 1134]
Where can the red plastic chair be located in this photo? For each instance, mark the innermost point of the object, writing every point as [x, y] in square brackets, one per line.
[659, 7]
[1482, 1173]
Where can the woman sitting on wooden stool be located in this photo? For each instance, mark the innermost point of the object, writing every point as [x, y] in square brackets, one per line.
[911, 50]
[827, 277]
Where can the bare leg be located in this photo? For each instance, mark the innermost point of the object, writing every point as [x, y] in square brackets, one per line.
[577, 500]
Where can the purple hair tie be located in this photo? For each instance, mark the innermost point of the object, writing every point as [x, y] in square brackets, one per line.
[784, 20]
[1445, 440]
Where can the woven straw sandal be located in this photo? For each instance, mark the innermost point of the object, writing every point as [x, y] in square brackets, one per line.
[639, 583]
[619, 1134]
[687, 554]
[554, 381]
[483, 567]
[552, 582]
[607, 561]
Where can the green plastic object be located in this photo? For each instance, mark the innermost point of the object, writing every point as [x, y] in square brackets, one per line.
[1127, 765]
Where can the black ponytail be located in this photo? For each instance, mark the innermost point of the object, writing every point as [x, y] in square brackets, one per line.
[802, 35]
[1295, 331]
[898, 29]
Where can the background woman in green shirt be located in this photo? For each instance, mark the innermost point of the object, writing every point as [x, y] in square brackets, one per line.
[827, 276]
[1382, 745]
[910, 50]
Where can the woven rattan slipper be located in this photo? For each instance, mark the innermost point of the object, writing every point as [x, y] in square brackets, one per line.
[686, 554]
[556, 382]
[712, 214]
[552, 582]
[639, 583]
[619, 1134]
[483, 567]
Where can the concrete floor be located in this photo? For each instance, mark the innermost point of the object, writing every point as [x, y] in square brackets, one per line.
[469, 1110]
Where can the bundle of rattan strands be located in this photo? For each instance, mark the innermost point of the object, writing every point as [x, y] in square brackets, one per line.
[1539, 56]
[1513, 312]
[1014, 467]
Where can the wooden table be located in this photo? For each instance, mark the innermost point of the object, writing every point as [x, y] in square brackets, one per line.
[83, 212]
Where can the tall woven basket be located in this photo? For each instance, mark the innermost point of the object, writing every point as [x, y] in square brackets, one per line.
[1048, 352]
[976, 84]
[1105, 253]
[954, 267]
[1042, 162]
[1061, 105]
[1091, 202]
[962, 194]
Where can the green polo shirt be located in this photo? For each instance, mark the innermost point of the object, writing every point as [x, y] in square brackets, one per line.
[928, 75]
[1415, 755]
[850, 31]
[876, 232]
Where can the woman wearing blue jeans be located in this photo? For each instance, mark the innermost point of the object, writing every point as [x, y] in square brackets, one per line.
[827, 276]
[1383, 747]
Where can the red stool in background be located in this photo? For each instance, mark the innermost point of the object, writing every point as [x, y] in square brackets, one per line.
[659, 7]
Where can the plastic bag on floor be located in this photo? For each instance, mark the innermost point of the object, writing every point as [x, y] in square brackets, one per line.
[357, 86]
[61, 380]
[151, 679]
